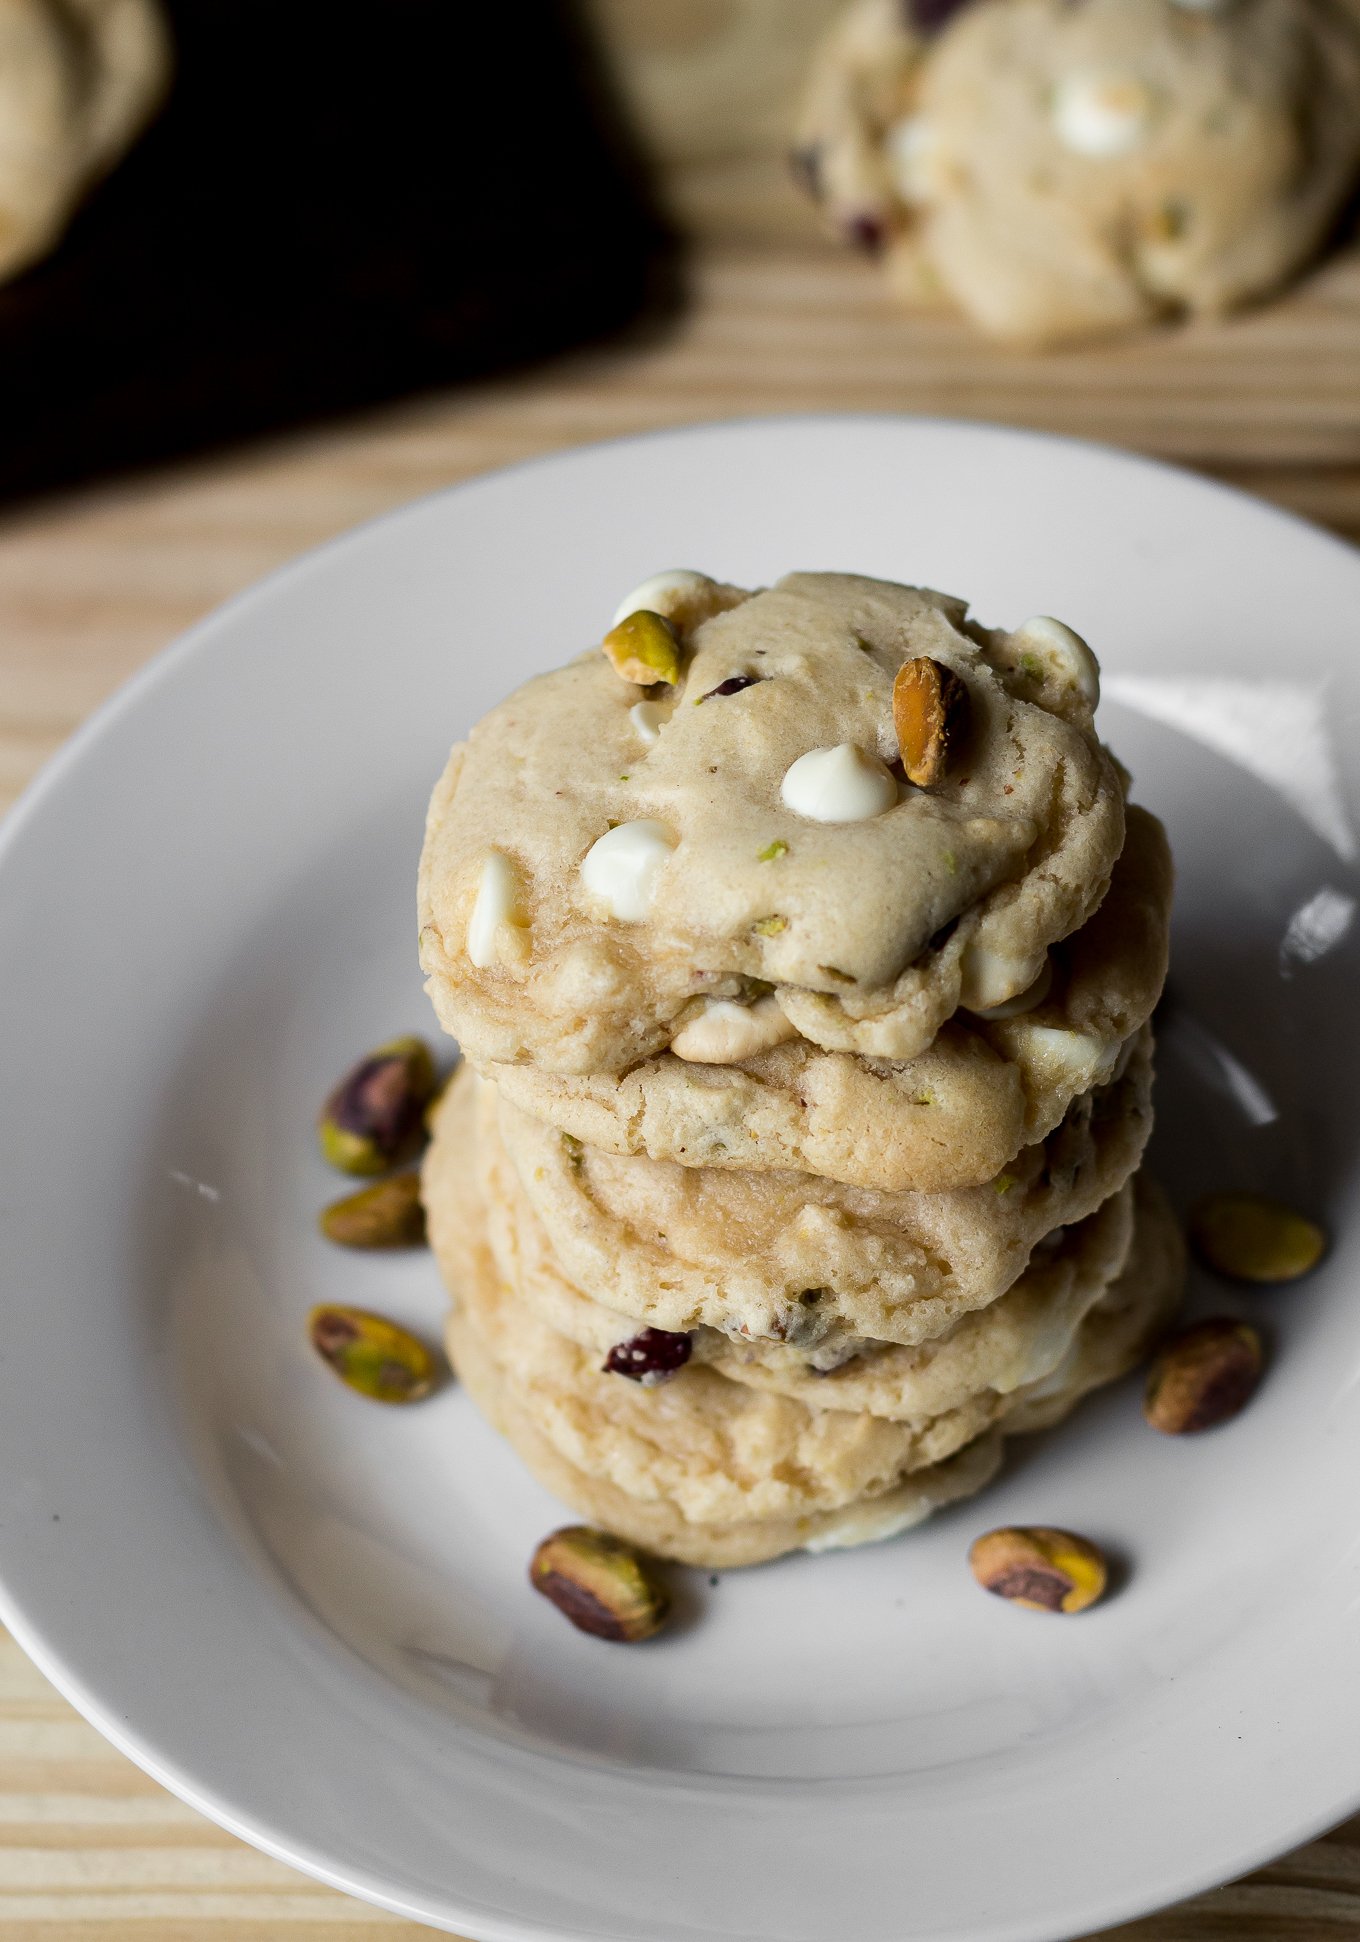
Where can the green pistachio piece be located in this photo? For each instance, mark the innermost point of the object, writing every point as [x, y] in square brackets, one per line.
[1250, 1238]
[387, 1214]
[375, 1117]
[601, 1585]
[1039, 1568]
[644, 648]
[1203, 1375]
[368, 1352]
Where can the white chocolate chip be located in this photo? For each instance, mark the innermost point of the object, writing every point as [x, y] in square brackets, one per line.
[1060, 1377]
[1065, 655]
[1035, 1359]
[911, 151]
[1027, 1000]
[988, 980]
[1075, 1060]
[663, 593]
[838, 785]
[1101, 114]
[621, 868]
[725, 1033]
[646, 719]
[497, 893]
[870, 1526]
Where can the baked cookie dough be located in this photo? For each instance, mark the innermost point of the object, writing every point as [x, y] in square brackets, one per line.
[78, 79]
[782, 1257]
[1062, 171]
[1018, 1339]
[716, 1473]
[954, 1116]
[862, 87]
[604, 864]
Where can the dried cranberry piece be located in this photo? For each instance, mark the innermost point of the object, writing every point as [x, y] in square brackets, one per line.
[650, 1357]
[867, 232]
[928, 16]
[733, 685]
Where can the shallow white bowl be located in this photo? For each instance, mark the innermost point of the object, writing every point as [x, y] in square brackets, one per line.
[308, 1615]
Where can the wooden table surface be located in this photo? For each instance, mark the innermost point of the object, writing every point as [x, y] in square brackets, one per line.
[775, 320]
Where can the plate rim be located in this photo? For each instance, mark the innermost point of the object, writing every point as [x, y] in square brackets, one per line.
[200, 639]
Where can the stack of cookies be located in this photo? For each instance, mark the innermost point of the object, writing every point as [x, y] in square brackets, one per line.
[801, 946]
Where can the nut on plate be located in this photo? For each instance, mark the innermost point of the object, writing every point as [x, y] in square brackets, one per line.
[1203, 1375]
[377, 1357]
[930, 715]
[375, 1116]
[599, 1583]
[1042, 1569]
[1251, 1238]
[644, 647]
[387, 1214]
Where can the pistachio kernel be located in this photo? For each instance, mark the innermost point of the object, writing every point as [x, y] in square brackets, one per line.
[1044, 1570]
[601, 1585]
[371, 1354]
[1251, 1238]
[930, 715]
[1203, 1376]
[644, 647]
[387, 1214]
[375, 1116]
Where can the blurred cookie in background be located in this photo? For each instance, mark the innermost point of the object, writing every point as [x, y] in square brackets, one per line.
[341, 202]
[1063, 171]
[79, 79]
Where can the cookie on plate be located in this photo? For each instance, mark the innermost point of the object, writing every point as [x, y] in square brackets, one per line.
[954, 1115]
[781, 1257]
[1018, 1339]
[717, 1473]
[608, 855]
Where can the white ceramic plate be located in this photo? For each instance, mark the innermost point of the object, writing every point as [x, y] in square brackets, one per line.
[308, 1615]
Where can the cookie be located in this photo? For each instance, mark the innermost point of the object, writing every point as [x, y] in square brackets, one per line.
[1019, 1338]
[787, 1257]
[1062, 171]
[954, 1116]
[78, 79]
[717, 1449]
[659, 1527]
[715, 1473]
[862, 85]
[608, 867]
